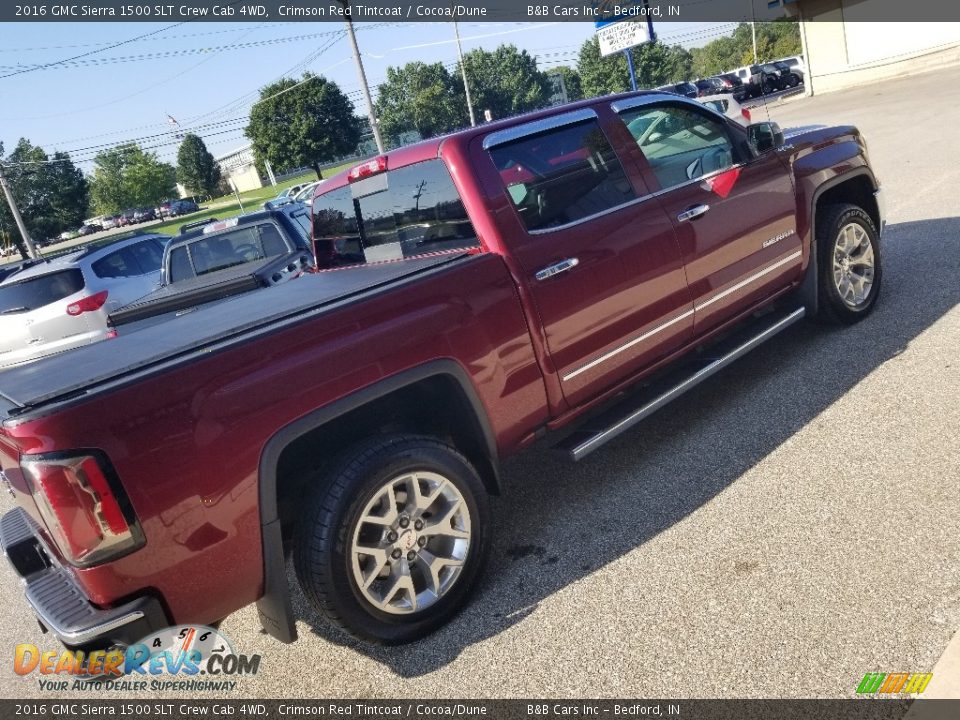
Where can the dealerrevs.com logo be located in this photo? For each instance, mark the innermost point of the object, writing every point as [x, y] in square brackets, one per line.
[179, 658]
[893, 683]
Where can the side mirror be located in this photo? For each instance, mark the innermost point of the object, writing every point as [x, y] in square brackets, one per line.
[764, 136]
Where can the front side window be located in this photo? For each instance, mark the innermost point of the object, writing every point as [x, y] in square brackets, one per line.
[681, 144]
[563, 175]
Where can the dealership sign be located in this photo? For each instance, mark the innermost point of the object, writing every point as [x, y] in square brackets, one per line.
[621, 24]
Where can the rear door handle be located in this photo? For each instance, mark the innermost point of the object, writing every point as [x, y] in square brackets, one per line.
[557, 268]
[693, 213]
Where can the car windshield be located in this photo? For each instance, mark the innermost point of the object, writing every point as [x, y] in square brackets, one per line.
[38, 291]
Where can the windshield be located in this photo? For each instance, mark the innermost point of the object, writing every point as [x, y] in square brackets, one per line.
[38, 291]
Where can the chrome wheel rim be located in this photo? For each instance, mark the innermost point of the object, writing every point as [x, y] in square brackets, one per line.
[411, 542]
[854, 265]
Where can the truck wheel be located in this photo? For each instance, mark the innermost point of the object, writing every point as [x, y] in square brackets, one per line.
[849, 263]
[391, 547]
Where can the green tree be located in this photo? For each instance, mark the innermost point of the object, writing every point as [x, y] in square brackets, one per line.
[127, 177]
[196, 169]
[654, 64]
[571, 81]
[50, 191]
[304, 123]
[506, 81]
[775, 40]
[419, 97]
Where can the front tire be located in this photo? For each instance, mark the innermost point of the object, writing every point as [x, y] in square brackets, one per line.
[392, 546]
[849, 263]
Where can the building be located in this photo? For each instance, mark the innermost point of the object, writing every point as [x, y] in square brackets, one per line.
[844, 44]
[240, 167]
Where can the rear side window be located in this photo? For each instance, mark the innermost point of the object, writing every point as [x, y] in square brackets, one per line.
[210, 253]
[563, 175]
[402, 213]
[119, 264]
[149, 255]
[36, 292]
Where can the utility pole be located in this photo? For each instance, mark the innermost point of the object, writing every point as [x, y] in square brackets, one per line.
[363, 78]
[463, 70]
[31, 249]
[753, 31]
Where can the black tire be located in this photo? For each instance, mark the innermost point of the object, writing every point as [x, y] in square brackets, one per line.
[832, 308]
[324, 533]
[794, 81]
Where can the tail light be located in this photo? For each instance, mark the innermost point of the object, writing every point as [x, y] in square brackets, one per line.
[745, 113]
[83, 506]
[87, 304]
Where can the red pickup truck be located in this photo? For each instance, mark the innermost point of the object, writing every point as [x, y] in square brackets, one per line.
[566, 272]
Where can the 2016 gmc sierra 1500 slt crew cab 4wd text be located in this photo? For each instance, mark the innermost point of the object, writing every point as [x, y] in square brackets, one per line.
[573, 269]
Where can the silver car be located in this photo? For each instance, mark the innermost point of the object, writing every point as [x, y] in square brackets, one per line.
[64, 302]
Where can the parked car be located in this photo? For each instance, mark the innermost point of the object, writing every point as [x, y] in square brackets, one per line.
[733, 85]
[796, 64]
[760, 79]
[110, 222]
[709, 86]
[6, 250]
[175, 208]
[144, 214]
[727, 105]
[508, 281]
[63, 303]
[215, 259]
[66, 235]
[90, 229]
[685, 89]
[305, 194]
[789, 76]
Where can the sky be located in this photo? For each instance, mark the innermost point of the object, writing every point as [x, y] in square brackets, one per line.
[207, 75]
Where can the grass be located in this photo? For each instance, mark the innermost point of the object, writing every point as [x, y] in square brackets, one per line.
[226, 206]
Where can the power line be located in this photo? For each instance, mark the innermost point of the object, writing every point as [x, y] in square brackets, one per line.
[92, 52]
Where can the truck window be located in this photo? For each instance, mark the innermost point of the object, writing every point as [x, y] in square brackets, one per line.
[404, 213]
[680, 144]
[561, 176]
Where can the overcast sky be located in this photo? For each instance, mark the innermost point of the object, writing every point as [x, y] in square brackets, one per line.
[206, 75]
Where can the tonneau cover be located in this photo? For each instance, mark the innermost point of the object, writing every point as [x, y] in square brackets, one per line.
[61, 375]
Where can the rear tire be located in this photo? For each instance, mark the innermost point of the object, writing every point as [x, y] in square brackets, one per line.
[849, 264]
[391, 548]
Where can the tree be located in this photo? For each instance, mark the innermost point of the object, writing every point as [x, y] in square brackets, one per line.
[571, 81]
[419, 97]
[51, 193]
[777, 39]
[654, 64]
[126, 177]
[196, 169]
[505, 82]
[304, 123]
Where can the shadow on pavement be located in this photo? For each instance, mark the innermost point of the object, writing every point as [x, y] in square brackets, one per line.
[557, 522]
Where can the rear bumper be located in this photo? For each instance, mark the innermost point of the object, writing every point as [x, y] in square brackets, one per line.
[60, 605]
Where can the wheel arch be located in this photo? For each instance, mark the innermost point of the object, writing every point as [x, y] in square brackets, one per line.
[858, 186]
[475, 431]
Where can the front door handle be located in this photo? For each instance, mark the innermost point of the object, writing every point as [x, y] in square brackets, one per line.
[693, 213]
[557, 268]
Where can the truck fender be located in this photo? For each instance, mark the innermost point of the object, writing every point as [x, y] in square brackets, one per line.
[274, 606]
[807, 291]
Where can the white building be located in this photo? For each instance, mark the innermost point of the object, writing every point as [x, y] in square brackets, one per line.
[239, 166]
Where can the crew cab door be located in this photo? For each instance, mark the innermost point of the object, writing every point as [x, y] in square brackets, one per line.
[599, 255]
[734, 211]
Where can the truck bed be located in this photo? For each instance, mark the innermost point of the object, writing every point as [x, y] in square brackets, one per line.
[95, 366]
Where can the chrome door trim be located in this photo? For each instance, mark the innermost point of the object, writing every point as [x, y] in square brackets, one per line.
[700, 305]
[626, 346]
[517, 132]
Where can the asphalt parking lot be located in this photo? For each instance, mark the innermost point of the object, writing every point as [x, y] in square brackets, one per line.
[780, 531]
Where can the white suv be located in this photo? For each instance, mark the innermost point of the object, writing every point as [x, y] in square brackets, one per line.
[63, 303]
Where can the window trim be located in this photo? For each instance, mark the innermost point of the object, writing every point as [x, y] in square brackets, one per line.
[518, 132]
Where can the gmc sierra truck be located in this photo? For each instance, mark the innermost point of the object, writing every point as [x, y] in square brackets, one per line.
[562, 273]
